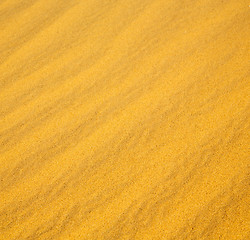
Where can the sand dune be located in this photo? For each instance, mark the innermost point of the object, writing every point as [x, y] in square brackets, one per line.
[124, 119]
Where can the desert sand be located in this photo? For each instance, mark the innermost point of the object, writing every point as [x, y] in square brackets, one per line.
[124, 119]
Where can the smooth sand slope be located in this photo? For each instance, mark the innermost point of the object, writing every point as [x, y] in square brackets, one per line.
[124, 119]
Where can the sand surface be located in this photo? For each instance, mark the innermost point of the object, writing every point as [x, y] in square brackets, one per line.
[124, 119]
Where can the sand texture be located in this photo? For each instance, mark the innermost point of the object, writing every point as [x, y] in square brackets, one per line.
[124, 119]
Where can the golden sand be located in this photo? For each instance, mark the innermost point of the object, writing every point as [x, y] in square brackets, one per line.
[124, 119]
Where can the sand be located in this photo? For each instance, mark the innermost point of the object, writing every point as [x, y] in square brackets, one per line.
[124, 119]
